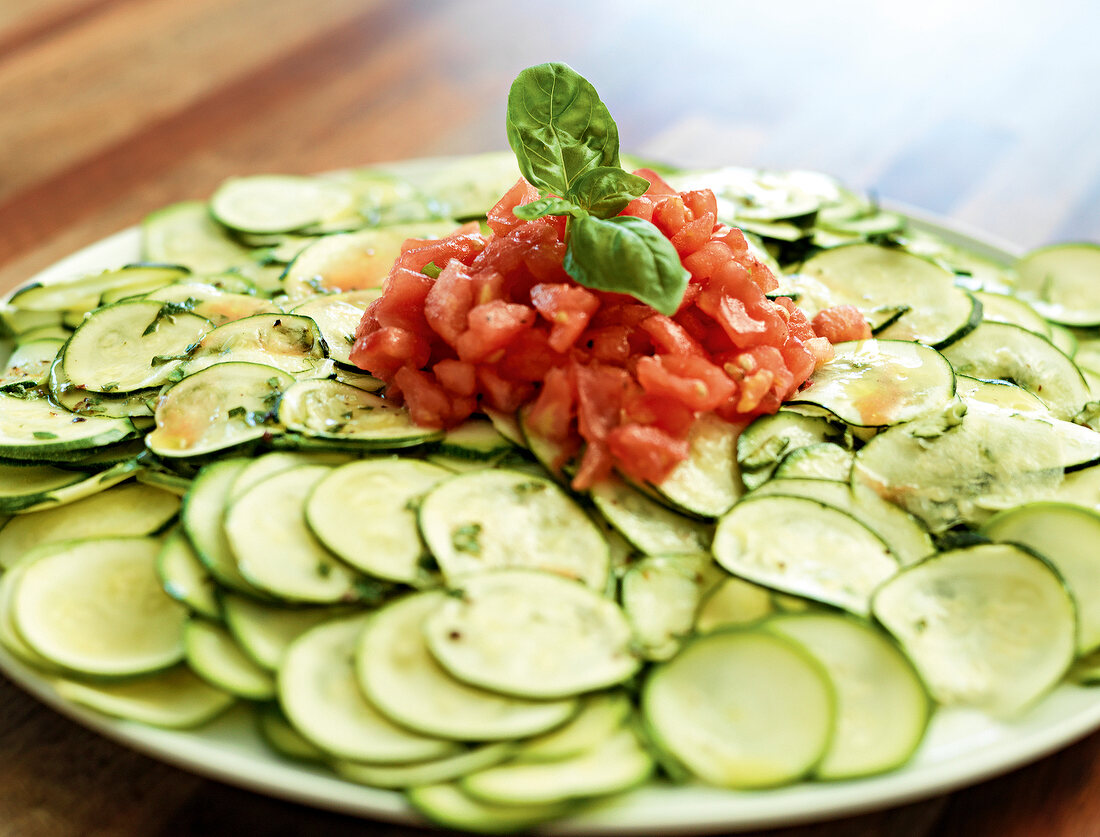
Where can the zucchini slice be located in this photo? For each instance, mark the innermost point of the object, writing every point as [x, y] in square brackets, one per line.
[613, 765]
[275, 549]
[801, 546]
[660, 595]
[484, 520]
[446, 769]
[402, 679]
[131, 345]
[212, 302]
[274, 203]
[222, 406]
[1066, 536]
[264, 631]
[1060, 283]
[1012, 353]
[174, 699]
[365, 512]
[531, 634]
[320, 695]
[741, 709]
[874, 383]
[708, 482]
[33, 428]
[216, 657]
[446, 804]
[959, 614]
[184, 578]
[185, 234]
[343, 415]
[84, 293]
[289, 342]
[882, 707]
[650, 527]
[337, 316]
[96, 607]
[871, 277]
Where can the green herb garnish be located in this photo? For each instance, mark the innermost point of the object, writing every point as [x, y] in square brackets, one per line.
[567, 145]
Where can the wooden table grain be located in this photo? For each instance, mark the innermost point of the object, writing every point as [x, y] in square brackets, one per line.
[985, 112]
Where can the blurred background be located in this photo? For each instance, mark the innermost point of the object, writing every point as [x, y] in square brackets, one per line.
[983, 111]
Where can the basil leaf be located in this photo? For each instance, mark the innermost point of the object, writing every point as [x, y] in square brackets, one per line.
[606, 191]
[558, 127]
[547, 206]
[626, 255]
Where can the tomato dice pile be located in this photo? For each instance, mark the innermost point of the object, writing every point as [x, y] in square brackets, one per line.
[604, 377]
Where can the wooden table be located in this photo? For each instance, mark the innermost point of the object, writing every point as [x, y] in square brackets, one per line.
[110, 108]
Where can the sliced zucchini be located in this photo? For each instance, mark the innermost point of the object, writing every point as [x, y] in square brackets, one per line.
[33, 428]
[275, 203]
[184, 233]
[959, 615]
[213, 303]
[660, 595]
[273, 462]
[707, 483]
[337, 316]
[1012, 353]
[354, 261]
[346, 416]
[882, 707]
[733, 602]
[1005, 308]
[531, 634]
[446, 769]
[131, 345]
[771, 437]
[615, 764]
[741, 709]
[29, 364]
[320, 695]
[289, 342]
[202, 517]
[175, 699]
[27, 485]
[365, 512]
[1060, 282]
[84, 293]
[821, 461]
[873, 383]
[264, 631]
[800, 546]
[96, 607]
[1066, 536]
[184, 578]
[956, 468]
[446, 804]
[120, 510]
[223, 406]
[276, 551]
[600, 715]
[476, 439]
[488, 519]
[650, 527]
[216, 657]
[869, 277]
[402, 679]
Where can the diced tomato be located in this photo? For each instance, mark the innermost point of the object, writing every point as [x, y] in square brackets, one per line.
[502, 394]
[501, 219]
[603, 376]
[657, 185]
[670, 215]
[457, 376]
[700, 202]
[693, 235]
[490, 327]
[551, 414]
[449, 301]
[840, 323]
[595, 465]
[651, 452]
[692, 380]
[670, 337]
[600, 392]
[386, 350]
[568, 308]
[428, 403]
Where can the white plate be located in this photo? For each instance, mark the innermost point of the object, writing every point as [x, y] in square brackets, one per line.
[962, 747]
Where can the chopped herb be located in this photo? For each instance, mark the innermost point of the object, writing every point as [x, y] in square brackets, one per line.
[43, 434]
[110, 386]
[467, 538]
[324, 569]
[431, 270]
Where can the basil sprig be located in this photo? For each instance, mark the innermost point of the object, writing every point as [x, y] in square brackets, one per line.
[567, 145]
